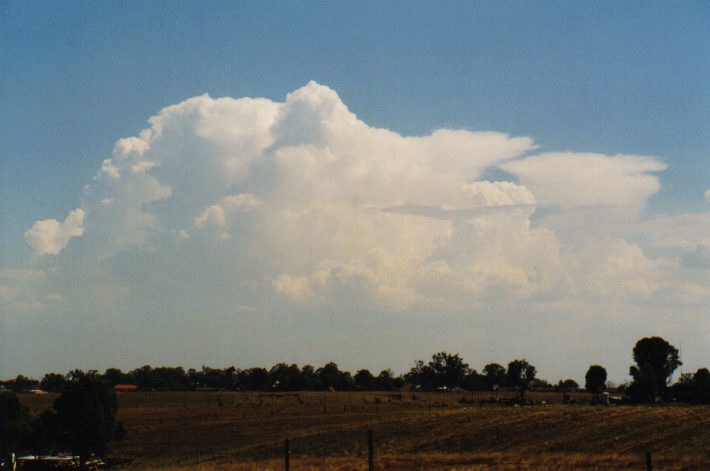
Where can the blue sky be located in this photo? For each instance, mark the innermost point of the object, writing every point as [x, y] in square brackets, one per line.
[609, 78]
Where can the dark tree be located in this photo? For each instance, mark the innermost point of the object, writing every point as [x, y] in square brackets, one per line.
[144, 377]
[115, 376]
[23, 383]
[86, 416]
[254, 379]
[520, 374]
[449, 370]
[364, 380]
[422, 376]
[595, 380]
[475, 381]
[568, 385]
[386, 381]
[693, 388]
[285, 378]
[44, 433]
[543, 384]
[332, 378]
[495, 375]
[655, 360]
[52, 382]
[14, 426]
[310, 379]
[701, 379]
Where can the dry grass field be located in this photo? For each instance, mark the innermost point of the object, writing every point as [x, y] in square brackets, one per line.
[232, 431]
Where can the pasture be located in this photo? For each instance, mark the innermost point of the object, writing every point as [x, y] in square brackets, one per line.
[227, 431]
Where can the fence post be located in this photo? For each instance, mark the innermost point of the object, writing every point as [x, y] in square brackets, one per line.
[287, 454]
[649, 463]
[370, 451]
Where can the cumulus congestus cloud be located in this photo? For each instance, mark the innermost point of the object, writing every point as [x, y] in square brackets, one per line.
[301, 201]
[49, 236]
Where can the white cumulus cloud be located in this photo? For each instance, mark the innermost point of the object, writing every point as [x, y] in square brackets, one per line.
[583, 179]
[228, 223]
[301, 201]
[49, 236]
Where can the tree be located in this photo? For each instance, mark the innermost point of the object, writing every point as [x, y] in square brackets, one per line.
[14, 426]
[44, 433]
[386, 381]
[475, 381]
[86, 416]
[595, 380]
[701, 379]
[449, 370]
[52, 382]
[520, 374]
[254, 379]
[22, 384]
[568, 385]
[285, 378]
[495, 375]
[421, 375]
[331, 377]
[656, 360]
[115, 376]
[364, 380]
[309, 378]
[693, 388]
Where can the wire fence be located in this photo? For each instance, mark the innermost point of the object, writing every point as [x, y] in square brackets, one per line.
[461, 431]
[362, 444]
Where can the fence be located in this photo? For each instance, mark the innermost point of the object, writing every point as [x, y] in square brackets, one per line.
[647, 459]
[465, 430]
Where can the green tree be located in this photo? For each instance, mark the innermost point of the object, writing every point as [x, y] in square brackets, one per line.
[595, 380]
[656, 359]
[14, 426]
[86, 416]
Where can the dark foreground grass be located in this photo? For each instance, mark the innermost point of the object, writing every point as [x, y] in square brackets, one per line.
[239, 431]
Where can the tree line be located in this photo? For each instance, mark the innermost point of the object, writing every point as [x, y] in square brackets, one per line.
[82, 419]
[444, 372]
[655, 361]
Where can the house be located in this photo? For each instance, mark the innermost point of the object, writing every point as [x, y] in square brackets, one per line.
[125, 387]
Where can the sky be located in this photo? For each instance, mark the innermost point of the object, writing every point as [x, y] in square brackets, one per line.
[245, 183]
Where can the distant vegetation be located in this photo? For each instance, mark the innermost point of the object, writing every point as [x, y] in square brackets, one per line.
[83, 418]
[655, 361]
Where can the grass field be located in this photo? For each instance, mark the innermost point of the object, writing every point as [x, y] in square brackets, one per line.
[246, 431]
